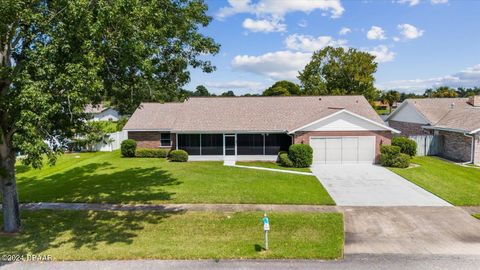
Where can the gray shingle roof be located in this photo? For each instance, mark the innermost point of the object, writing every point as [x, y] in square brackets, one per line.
[451, 113]
[229, 114]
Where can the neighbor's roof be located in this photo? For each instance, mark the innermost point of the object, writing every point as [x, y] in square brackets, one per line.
[213, 114]
[448, 113]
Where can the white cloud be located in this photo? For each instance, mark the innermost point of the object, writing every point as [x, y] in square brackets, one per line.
[469, 77]
[409, 2]
[344, 31]
[376, 32]
[278, 9]
[280, 65]
[409, 31]
[396, 39]
[264, 25]
[235, 85]
[436, 2]
[382, 54]
[310, 43]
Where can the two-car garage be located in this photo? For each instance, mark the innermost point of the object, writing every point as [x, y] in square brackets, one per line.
[343, 149]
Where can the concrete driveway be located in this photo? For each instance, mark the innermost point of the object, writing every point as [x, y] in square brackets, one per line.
[411, 230]
[371, 185]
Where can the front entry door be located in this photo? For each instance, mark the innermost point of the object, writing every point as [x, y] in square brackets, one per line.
[230, 145]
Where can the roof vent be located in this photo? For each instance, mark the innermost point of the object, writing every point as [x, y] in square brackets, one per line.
[320, 99]
[452, 105]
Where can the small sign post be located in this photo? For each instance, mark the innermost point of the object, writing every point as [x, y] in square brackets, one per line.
[266, 228]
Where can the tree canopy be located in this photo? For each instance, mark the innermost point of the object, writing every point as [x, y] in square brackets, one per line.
[337, 71]
[390, 97]
[58, 56]
[282, 88]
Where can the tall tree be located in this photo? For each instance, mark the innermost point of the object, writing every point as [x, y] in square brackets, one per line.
[282, 88]
[442, 92]
[390, 97]
[229, 93]
[58, 56]
[336, 71]
[201, 91]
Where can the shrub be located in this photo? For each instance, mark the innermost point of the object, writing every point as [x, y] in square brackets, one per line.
[151, 153]
[128, 148]
[392, 157]
[407, 146]
[178, 156]
[301, 155]
[284, 160]
[401, 161]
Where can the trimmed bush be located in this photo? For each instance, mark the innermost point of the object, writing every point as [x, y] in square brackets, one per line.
[178, 156]
[128, 147]
[284, 160]
[407, 146]
[391, 156]
[301, 155]
[151, 153]
[401, 161]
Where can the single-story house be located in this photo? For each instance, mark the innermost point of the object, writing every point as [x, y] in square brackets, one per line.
[454, 121]
[340, 129]
[102, 113]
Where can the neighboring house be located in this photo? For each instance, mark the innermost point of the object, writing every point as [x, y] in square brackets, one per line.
[380, 105]
[340, 129]
[102, 113]
[454, 121]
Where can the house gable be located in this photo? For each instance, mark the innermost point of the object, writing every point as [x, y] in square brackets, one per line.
[408, 113]
[344, 121]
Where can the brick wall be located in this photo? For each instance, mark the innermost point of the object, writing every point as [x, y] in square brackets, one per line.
[456, 146]
[407, 128]
[149, 139]
[381, 137]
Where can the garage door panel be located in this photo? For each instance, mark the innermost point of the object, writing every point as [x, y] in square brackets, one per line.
[333, 150]
[366, 149]
[319, 151]
[349, 149]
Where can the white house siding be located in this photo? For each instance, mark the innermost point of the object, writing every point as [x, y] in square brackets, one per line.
[408, 113]
[477, 150]
[107, 115]
[342, 122]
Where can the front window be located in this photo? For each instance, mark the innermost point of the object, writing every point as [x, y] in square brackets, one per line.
[165, 139]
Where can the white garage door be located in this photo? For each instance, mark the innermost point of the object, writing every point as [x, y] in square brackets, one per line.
[338, 150]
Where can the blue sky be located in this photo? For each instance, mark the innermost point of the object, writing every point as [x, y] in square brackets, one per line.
[417, 43]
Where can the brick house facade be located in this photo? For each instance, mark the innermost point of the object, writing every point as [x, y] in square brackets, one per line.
[456, 146]
[150, 139]
[408, 129]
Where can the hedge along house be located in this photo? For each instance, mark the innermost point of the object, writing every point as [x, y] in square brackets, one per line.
[340, 129]
[454, 122]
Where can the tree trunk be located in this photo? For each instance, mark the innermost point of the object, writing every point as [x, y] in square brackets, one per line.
[10, 206]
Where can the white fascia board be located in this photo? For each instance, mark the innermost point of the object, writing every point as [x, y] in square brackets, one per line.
[230, 131]
[475, 131]
[450, 129]
[351, 113]
[152, 129]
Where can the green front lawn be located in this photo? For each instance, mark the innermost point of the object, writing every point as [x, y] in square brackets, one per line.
[109, 178]
[271, 165]
[456, 184]
[477, 216]
[89, 235]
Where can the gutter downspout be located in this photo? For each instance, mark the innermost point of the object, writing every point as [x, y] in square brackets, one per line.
[472, 149]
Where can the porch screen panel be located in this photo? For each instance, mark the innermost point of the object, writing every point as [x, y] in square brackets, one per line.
[190, 143]
[212, 144]
[249, 144]
[277, 142]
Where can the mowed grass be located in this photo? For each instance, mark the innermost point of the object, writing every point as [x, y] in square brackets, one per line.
[89, 235]
[271, 165]
[456, 184]
[109, 178]
[477, 216]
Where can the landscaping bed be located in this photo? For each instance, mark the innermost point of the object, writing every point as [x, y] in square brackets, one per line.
[271, 165]
[90, 235]
[109, 178]
[459, 185]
